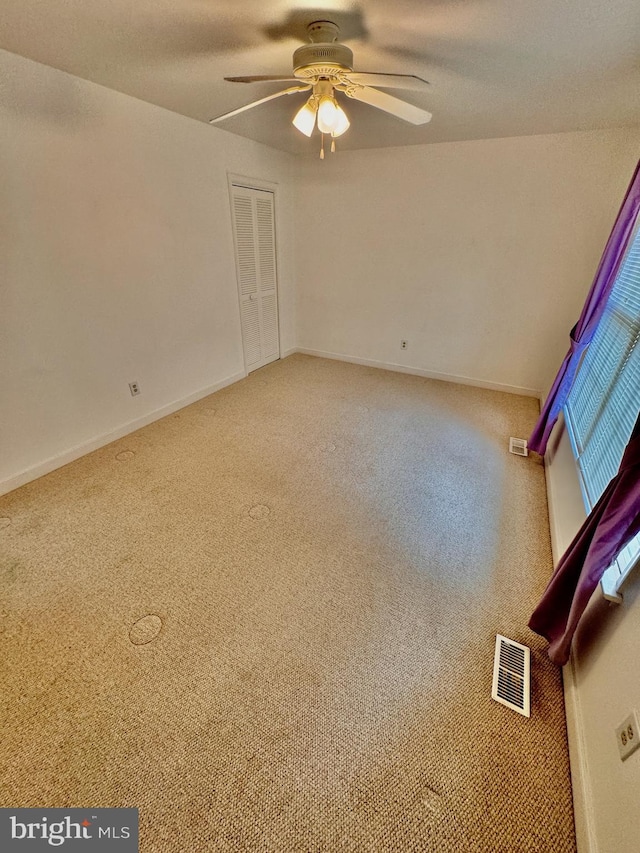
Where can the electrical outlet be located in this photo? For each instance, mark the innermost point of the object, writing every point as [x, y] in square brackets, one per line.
[134, 388]
[403, 344]
[628, 736]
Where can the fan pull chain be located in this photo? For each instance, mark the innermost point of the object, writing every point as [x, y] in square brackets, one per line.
[333, 146]
[322, 148]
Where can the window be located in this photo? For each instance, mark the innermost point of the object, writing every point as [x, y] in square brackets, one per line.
[603, 404]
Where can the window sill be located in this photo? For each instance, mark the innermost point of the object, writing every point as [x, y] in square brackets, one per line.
[609, 585]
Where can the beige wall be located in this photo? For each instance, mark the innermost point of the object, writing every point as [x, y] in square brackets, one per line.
[602, 683]
[118, 263]
[477, 253]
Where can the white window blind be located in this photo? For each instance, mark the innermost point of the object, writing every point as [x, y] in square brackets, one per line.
[603, 404]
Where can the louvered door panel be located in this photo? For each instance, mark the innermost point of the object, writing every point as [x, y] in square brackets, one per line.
[254, 230]
[270, 342]
[245, 245]
[251, 334]
[266, 244]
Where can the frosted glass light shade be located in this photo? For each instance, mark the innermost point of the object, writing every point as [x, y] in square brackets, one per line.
[342, 122]
[305, 119]
[327, 115]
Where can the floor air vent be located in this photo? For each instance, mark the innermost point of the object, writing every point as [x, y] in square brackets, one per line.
[518, 446]
[511, 680]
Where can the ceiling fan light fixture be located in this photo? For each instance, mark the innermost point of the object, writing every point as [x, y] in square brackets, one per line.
[327, 114]
[342, 123]
[305, 119]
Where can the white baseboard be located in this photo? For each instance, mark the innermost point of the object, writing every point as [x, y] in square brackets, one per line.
[54, 462]
[286, 353]
[418, 371]
[580, 786]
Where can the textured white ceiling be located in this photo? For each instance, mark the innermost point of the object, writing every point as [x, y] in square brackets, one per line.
[497, 67]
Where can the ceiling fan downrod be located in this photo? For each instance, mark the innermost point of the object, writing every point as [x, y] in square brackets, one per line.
[323, 32]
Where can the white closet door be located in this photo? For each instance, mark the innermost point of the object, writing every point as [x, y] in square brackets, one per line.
[254, 232]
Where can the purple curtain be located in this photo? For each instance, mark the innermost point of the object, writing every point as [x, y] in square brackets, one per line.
[582, 333]
[612, 523]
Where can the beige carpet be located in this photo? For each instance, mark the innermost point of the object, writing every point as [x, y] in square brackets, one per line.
[330, 550]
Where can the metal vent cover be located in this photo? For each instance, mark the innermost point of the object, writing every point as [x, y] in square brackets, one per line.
[518, 446]
[512, 675]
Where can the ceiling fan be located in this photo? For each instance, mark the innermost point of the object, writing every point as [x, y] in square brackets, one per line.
[324, 67]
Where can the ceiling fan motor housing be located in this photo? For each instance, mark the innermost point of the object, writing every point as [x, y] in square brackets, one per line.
[325, 56]
[321, 59]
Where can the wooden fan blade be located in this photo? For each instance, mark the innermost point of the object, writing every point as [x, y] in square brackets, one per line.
[389, 104]
[290, 91]
[261, 78]
[389, 81]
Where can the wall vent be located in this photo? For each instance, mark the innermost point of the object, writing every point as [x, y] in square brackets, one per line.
[518, 446]
[511, 675]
